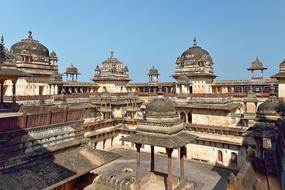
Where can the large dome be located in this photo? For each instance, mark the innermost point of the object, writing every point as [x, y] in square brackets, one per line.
[196, 53]
[160, 117]
[111, 69]
[270, 110]
[160, 107]
[194, 62]
[30, 46]
[271, 107]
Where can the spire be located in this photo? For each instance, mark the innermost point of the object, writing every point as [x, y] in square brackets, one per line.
[112, 54]
[30, 34]
[194, 42]
[2, 50]
[2, 39]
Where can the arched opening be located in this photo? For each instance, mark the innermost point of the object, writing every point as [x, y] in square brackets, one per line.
[233, 158]
[220, 156]
[190, 89]
[183, 116]
[189, 117]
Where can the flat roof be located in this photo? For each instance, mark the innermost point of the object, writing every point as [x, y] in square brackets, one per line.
[52, 169]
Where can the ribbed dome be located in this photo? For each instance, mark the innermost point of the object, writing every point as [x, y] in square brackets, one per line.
[196, 53]
[160, 107]
[30, 46]
[194, 62]
[111, 69]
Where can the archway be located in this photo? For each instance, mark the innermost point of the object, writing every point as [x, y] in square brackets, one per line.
[233, 159]
[183, 116]
[189, 117]
[220, 156]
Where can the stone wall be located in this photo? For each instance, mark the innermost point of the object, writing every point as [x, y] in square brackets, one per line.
[205, 117]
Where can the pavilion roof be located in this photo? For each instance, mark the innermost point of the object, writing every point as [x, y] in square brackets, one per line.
[172, 141]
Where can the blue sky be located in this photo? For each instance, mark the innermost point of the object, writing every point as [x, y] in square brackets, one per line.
[151, 32]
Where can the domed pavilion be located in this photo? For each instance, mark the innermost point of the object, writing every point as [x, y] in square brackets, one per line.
[161, 127]
[112, 75]
[196, 65]
[34, 57]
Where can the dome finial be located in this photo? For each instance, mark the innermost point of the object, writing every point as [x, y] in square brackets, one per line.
[30, 34]
[194, 42]
[112, 54]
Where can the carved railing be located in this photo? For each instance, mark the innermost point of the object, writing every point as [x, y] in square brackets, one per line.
[216, 129]
[30, 120]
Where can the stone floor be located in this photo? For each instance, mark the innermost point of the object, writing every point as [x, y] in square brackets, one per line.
[212, 178]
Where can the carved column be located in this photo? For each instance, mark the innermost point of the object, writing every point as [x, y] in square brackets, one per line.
[14, 81]
[169, 177]
[137, 185]
[182, 155]
[151, 158]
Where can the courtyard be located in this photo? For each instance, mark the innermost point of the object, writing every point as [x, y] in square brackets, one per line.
[206, 176]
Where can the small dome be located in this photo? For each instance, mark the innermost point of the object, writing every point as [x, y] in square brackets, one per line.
[30, 46]
[282, 66]
[72, 69]
[257, 65]
[160, 107]
[126, 69]
[153, 71]
[97, 69]
[53, 54]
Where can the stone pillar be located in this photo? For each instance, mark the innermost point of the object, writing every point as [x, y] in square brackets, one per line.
[169, 177]
[137, 185]
[182, 155]
[14, 81]
[151, 158]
